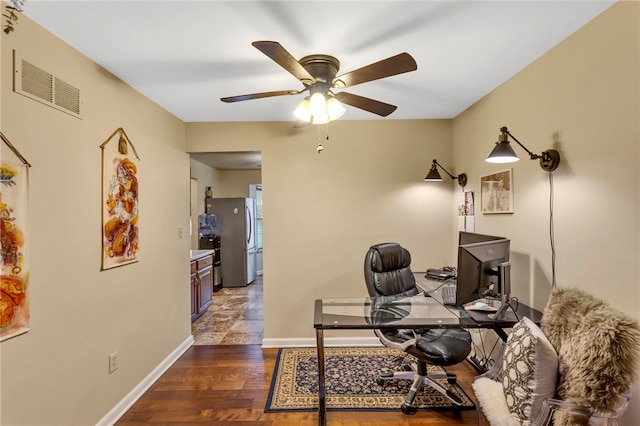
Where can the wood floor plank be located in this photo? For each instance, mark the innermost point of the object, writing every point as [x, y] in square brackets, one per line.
[229, 385]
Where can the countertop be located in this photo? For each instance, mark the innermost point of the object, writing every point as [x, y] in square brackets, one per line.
[197, 254]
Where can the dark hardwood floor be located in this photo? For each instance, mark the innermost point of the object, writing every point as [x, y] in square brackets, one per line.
[228, 385]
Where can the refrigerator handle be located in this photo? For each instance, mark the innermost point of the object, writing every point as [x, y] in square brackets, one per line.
[250, 222]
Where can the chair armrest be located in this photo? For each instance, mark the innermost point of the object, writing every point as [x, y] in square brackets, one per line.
[550, 406]
[398, 345]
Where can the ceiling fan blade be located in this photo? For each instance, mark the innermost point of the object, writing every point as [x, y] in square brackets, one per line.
[366, 104]
[260, 95]
[394, 65]
[279, 54]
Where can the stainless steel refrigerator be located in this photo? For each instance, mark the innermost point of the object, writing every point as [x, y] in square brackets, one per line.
[236, 223]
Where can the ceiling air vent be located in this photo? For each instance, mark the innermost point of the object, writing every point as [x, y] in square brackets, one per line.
[37, 84]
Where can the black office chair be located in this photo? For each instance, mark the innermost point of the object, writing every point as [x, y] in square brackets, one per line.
[387, 272]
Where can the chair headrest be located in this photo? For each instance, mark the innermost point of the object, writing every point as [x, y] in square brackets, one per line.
[389, 257]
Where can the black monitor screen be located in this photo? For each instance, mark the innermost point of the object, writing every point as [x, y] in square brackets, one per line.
[478, 269]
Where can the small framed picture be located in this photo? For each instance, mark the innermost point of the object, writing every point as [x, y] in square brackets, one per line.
[496, 192]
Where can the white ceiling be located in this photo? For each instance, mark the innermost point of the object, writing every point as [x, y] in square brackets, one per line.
[186, 55]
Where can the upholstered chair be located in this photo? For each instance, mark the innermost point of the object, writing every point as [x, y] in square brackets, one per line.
[576, 369]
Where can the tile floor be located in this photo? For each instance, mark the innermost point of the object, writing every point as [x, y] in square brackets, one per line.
[235, 317]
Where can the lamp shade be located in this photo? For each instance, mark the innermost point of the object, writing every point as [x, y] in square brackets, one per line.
[314, 109]
[317, 104]
[335, 108]
[320, 118]
[302, 112]
[502, 153]
[433, 175]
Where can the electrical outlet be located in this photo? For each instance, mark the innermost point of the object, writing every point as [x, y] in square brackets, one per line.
[113, 362]
[180, 232]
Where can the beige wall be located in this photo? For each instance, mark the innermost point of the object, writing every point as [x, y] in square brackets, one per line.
[583, 99]
[206, 176]
[235, 183]
[57, 374]
[323, 211]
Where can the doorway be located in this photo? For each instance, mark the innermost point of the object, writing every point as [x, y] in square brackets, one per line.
[236, 315]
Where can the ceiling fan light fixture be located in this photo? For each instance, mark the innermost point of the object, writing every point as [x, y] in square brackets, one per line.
[335, 108]
[318, 74]
[317, 104]
[320, 118]
[303, 112]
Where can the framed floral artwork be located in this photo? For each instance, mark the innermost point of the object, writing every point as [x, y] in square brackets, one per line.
[496, 192]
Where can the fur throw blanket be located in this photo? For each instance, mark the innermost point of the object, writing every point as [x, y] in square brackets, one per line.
[598, 349]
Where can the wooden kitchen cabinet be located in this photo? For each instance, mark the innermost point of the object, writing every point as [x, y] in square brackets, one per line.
[201, 285]
[195, 290]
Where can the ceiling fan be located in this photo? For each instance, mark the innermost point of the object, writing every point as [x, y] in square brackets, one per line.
[318, 75]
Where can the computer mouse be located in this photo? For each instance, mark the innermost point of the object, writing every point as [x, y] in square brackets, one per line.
[480, 305]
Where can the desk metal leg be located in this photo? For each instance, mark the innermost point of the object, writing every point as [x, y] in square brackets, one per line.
[322, 403]
[500, 332]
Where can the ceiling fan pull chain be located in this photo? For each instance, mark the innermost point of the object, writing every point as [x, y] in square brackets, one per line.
[319, 147]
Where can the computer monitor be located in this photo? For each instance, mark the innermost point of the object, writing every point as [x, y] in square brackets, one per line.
[471, 237]
[483, 270]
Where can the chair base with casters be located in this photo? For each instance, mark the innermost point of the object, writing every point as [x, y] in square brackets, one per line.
[457, 351]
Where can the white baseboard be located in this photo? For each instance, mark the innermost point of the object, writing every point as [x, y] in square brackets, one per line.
[118, 411]
[328, 342]
[121, 408]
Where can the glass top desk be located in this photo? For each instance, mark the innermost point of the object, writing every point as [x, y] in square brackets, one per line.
[416, 312]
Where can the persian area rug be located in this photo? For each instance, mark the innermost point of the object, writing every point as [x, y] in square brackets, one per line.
[351, 382]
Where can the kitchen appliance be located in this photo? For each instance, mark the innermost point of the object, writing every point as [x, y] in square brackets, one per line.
[208, 238]
[207, 225]
[236, 225]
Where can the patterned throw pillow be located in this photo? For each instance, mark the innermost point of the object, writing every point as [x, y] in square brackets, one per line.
[529, 369]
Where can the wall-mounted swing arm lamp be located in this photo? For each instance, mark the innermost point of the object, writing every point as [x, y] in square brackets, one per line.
[503, 153]
[434, 176]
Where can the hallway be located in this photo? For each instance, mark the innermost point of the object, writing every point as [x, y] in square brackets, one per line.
[234, 318]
